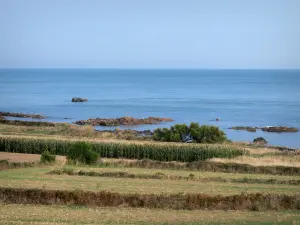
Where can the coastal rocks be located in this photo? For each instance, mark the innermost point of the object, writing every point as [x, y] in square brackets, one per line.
[127, 120]
[78, 99]
[22, 115]
[260, 141]
[250, 129]
[279, 129]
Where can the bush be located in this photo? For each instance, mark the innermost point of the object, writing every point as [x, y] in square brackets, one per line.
[46, 157]
[81, 152]
[199, 134]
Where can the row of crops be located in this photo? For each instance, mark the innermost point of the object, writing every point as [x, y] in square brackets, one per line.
[179, 152]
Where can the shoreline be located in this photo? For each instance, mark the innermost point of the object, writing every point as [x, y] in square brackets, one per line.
[119, 133]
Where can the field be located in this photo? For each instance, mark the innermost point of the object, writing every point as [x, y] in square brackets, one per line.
[61, 215]
[261, 186]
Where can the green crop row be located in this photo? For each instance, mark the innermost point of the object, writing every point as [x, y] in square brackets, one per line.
[179, 152]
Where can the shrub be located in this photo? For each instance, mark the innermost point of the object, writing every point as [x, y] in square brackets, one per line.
[199, 134]
[46, 157]
[81, 152]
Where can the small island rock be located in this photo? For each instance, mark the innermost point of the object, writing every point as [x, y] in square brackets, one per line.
[78, 99]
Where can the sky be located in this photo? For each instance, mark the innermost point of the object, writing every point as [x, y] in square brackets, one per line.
[210, 34]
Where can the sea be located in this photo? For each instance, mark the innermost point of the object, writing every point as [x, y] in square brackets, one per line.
[236, 97]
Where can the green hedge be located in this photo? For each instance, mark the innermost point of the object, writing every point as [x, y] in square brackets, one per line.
[159, 152]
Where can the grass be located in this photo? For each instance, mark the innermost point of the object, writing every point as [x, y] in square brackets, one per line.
[37, 178]
[162, 175]
[292, 160]
[183, 173]
[60, 215]
[20, 157]
[64, 130]
[201, 166]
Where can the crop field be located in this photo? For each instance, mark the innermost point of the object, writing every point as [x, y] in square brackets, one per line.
[134, 189]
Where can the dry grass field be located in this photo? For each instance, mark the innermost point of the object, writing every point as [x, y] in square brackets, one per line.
[19, 157]
[61, 215]
[143, 181]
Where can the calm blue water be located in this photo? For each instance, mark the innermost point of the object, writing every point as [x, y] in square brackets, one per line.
[237, 97]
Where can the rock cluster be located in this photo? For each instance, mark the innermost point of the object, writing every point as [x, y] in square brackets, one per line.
[22, 115]
[279, 129]
[78, 99]
[127, 120]
[250, 129]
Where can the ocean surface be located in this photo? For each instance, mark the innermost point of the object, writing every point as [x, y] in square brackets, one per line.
[237, 97]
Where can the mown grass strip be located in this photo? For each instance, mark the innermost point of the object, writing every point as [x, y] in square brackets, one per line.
[160, 175]
[256, 201]
[178, 152]
[203, 166]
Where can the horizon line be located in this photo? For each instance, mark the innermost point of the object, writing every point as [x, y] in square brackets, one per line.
[148, 68]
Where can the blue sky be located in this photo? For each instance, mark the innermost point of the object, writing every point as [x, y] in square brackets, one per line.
[210, 34]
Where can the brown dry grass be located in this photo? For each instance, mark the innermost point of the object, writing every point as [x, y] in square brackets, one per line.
[276, 160]
[20, 157]
[190, 201]
[58, 215]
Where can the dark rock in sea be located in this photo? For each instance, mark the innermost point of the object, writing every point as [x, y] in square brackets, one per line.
[246, 128]
[122, 121]
[260, 141]
[279, 129]
[78, 99]
[22, 115]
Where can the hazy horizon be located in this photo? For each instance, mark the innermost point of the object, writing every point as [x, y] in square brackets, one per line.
[113, 34]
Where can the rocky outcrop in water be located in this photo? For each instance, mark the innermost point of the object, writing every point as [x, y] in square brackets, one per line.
[260, 141]
[78, 99]
[250, 129]
[22, 115]
[127, 120]
[279, 129]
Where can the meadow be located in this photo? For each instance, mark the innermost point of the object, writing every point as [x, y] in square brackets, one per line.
[145, 182]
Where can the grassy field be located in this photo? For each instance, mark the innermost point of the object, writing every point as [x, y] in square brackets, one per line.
[61, 215]
[39, 178]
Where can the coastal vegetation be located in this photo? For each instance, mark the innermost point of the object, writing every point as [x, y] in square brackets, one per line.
[196, 133]
[27, 123]
[22, 115]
